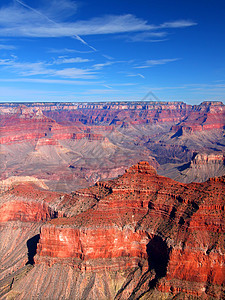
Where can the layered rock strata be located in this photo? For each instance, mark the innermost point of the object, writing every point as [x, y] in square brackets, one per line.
[173, 233]
[74, 145]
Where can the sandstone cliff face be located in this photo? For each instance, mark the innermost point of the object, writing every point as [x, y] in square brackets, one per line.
[144, 235]
[24, 208]
[25, 205]
[206, 116]
[204, 158]
[201, 167]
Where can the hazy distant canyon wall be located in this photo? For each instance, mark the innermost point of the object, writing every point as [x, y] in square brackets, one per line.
[72, 145]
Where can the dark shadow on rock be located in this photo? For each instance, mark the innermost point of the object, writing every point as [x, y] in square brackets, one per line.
[158, 258]
[178, 133]
[173, 213]
[181, 221]
[184, 167]
[32, 248]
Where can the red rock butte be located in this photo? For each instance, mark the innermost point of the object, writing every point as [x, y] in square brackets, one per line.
[142, 167]
[174, 232]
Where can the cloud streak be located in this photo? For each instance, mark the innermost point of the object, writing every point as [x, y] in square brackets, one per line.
[51, 81]
[148, 36]
[66, 60]
[155, 62]
[42, 68]
[68, 50]
[102, 65]
[75, 35]
[22, 20]
[75, 73]
[178, 24]
[134, 75]
[59, 9]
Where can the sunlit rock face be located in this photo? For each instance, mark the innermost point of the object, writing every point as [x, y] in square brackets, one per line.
[172, 233]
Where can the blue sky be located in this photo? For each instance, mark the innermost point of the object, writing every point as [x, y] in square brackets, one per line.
[68, 50]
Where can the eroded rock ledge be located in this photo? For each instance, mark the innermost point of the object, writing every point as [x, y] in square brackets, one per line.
[172, 232]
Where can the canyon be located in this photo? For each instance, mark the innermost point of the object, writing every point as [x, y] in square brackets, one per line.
[118, 200]
[74, 145]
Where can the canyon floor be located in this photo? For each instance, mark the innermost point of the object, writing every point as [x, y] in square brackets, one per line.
[112, 200]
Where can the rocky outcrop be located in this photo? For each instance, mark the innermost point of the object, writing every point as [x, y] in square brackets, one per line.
[204, 158]
[201, 167]
[206, 116]
[15, 180]
[27, 203]
[173, 232]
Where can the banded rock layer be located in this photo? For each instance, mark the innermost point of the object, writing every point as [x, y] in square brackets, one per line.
[143, 237]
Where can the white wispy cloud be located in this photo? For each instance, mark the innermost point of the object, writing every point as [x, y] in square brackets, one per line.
[25, 68]
[66, 60]
[146, 36]
[124, 84]
[177, 24]
[155, 62]
[102, 65]
[50, 21]
[56, 67]
[107, 86]
[112, 24]
[27, 24]
[107, 56]
[42, 68]
[20, 19]
[76, 73]
[51, 81]
[156, 40]
[156, 33]
[142, 76]
[68, 50]
[59, 9]
[135, 75]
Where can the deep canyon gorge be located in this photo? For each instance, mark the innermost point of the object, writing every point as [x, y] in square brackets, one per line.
[117, 200]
